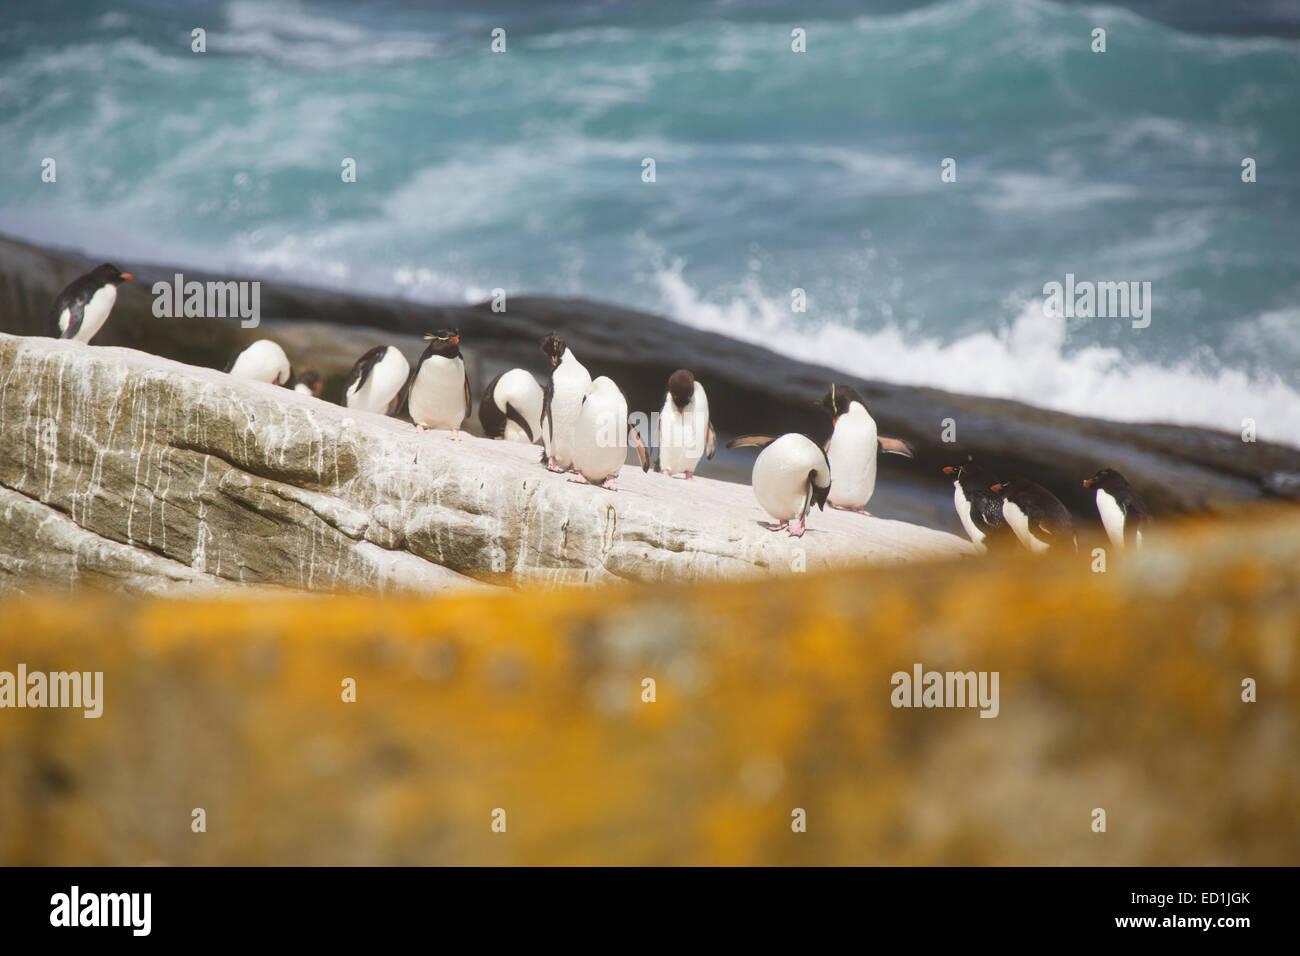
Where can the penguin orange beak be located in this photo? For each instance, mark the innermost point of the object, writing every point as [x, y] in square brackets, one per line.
[949, 470]
[1087, 482]
[455, 340]
[127, 275]
[998, 487]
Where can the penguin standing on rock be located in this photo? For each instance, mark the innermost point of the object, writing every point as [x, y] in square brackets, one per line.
[1123, 512]
[852, 448]
[439, 396]
[600, 435]
[791, 474]
[978, 507]
[561, 402]
[263, 361]
[685, 432]
[1036, 515]
[82, 308]
[510, 407]
[376, 381]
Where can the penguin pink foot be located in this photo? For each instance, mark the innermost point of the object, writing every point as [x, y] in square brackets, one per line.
[777, 527]
[419, 429]
[796, 528]
[455, 435]
[552, 466]
[860, 511]
[579, 479]
[609, 484]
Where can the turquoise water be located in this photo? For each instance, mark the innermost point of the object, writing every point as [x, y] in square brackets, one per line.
[774, 171]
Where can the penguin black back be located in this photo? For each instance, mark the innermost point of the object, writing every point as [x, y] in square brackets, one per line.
[1049, 519]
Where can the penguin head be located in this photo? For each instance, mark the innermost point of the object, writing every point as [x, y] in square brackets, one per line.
[681, 386]
[310, 378]
[837, 400]
[1106, 477]
[110, 274]
[970, 473]
[553, 348]
[444, 342]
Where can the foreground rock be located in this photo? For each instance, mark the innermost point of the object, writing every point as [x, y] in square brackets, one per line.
[121, 466]
[1120, 690]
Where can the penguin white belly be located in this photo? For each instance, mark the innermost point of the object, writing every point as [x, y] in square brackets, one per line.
[570, 385]
[386, 379]
[95, 314]
[964, 513]
[263, 361]
[780, 477]
[600, 437]
[852, 458]
[1018, 522]
[683, 434]
[519, 389]
[1112, 517]
[438, 393]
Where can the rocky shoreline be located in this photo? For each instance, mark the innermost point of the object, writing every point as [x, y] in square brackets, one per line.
[1178, 469]
[120, 466]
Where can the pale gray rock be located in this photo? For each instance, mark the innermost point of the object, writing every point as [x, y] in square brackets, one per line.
[120, 466]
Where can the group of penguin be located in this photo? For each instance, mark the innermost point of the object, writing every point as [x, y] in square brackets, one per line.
[585, 430]
[582, 422]
[993, 511]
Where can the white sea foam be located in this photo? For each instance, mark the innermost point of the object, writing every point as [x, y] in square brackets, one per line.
[1030, 361]
[290, 34]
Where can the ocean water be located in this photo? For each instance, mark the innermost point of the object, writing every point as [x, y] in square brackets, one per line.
[774, 171]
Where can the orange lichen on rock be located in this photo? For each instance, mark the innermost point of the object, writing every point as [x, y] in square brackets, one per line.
[1119, 690]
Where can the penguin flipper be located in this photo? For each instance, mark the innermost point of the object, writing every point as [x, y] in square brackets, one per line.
[76, 312]
[469, 403]
[547, 421]
[362, 368]
[751, 441]
[514, 415]
[641, 452]
[710, 442]
[895, 446]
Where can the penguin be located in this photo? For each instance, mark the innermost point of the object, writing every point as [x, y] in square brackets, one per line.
[852, 448]
[1036, 515]
[1123, 512]
[439, 396]
[978, 507]
[510, 407]
[561, 402]
[685, 432]
[263, 361]
[82, 308]
[601, 433]
[376, 381]
[308, 383]
[791, 474]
